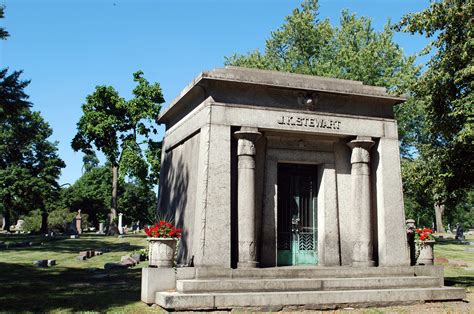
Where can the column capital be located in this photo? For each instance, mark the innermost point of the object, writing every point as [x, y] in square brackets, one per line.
[360, 149]
[247, 138]
[364, 142]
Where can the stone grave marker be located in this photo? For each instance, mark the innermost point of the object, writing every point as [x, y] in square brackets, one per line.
[79, 222]
[101, 228]
[120, 227]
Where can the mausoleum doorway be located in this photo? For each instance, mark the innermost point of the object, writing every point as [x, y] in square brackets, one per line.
[297, 214]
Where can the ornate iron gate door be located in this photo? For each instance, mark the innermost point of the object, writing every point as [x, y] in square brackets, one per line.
[297, 212]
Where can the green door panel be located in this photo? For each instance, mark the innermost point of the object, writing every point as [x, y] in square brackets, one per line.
[297, 212]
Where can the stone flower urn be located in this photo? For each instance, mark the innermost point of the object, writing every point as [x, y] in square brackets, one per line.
[426, 252]
[161, 252]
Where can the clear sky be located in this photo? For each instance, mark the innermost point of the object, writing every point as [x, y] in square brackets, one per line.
[67, 47]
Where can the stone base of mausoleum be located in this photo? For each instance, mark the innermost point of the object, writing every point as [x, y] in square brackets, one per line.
[304, 288]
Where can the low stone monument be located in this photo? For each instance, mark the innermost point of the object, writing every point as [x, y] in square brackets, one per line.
[18, 228]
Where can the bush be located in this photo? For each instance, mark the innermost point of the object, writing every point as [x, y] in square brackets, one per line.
[58, 218]
[33, 221]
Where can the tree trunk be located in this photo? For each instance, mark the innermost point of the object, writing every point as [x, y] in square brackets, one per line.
[44, 222]
[439, 211]
[113, 209]
[6, 214]
[6, 220]
[112, 228]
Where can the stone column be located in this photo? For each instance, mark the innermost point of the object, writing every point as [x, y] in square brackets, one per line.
[246, 196]
[362, 245]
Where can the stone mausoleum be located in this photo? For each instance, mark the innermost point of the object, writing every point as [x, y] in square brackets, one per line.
[288, 190]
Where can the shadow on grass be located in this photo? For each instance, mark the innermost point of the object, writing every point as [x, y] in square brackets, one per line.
[452, 241]
[463, 281]
[66, 245]
[26, 288]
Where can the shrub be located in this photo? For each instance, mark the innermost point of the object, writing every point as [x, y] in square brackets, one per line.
[33, 221]
[58, 218]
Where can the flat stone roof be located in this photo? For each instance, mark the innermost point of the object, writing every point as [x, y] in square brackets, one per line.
[283, 80]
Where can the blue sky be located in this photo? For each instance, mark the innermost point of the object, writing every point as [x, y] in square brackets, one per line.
[67, 47]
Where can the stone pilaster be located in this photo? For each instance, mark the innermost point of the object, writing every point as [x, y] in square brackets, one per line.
[362, 245]
[246, 196]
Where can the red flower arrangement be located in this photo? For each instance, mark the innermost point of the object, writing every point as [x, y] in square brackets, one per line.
[163, 229]
[424, 234]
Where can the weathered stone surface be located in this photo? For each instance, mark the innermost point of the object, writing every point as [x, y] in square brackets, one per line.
[223, 191]
[335, 299]
[303, 284]
[156, 280]
[41, 263]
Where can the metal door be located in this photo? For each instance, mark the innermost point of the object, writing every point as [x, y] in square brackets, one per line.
[297, 213]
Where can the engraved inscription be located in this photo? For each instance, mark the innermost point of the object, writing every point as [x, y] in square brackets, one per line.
[319, 123]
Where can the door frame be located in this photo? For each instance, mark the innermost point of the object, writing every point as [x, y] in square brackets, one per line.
[327, 219]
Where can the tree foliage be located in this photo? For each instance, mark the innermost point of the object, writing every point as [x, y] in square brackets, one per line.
[444, 94]
[91, 194]
[3, 32]
[353, 50]
[29, 163]
[122, 130]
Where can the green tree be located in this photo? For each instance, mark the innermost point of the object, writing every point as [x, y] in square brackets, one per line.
[119, 128]
[90, 161]
[138, 202]
[3, 32]
[29, 163]
[90, 193]
[444, 92]
[352, 50]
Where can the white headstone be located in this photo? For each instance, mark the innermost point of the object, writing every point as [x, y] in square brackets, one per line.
[120, 228]
[101, 227]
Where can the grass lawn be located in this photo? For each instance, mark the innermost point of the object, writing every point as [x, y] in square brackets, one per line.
[459, 258]
[71, 285]
[74, 285]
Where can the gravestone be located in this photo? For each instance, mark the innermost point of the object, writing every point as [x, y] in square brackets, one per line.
[79, 222]
[101, 228]
[120, 227]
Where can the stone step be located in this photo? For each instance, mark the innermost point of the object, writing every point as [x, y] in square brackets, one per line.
[305, 272]
[302, 284]
[305, 299]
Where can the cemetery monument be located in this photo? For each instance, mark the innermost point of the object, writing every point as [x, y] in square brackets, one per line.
[288, 190]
